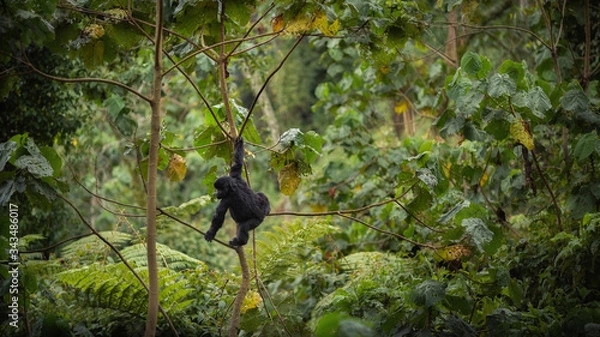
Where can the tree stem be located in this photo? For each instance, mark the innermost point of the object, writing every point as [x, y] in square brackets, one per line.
[152, 317]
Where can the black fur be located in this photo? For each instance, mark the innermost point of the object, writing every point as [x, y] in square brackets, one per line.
[248, 209]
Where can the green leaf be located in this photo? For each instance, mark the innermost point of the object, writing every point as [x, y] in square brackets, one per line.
[514, 292]
[342, 324]
[6, 151]
[501, 85]
[586, 145]
[450, 214]
[53, 158]
[428, 293]
[125, 124]
[426, 176]
[292, 137]
[471, 63]
[516, 71]
[538, 102]
[36, 165]
[314, 142]
[499, 128]
[486, 67]
[575, 100]
[480, 234]
[114, 104]
[93, 54]
[125, 35]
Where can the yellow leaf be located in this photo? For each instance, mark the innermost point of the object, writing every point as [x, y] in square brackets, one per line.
[251, 301]
[299, 25]
[176, 169]
[484, 179]
[289, 179]
[277, 23]
[95, 31]
[520, 132]
[323, 25]
[401, 107]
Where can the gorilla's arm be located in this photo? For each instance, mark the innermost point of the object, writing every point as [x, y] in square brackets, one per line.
[238, 159]
[217, 220]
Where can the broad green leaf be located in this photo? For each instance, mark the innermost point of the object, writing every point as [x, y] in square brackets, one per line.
[501, 85]
[93, 54]
[459, 327]
[460, 88]
[10, 186]
[313, 143]
[342, 324]
[575, 100]
[36, 165]
[421, 202]
[53, 158]
[538, 102]
[449, 215]
[516, 70]
[486, 67]
[428, 293]
[586, 145]
[292, 137]
[124, 123]
[499, 128]
[125, 35]
[480, 234]
[471, 211]
[471, 63]
[426, 176]
[6, 151]
[114, 104]
[514, 292]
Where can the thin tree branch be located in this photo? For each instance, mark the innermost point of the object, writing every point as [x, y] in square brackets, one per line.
[41, 250]
[557, 209]
[267, 82]
[81, 79]
[401, 237]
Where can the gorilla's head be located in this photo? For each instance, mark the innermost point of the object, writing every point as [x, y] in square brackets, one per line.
[223, 186]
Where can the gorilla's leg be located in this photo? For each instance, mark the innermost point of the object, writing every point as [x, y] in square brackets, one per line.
[242, 232]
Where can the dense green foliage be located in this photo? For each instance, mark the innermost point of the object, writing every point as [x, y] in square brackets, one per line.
[433, 166]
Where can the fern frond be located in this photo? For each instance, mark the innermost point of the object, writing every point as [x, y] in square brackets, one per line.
[91, 248]
[114, 287]
[282, 250]
[166, 257]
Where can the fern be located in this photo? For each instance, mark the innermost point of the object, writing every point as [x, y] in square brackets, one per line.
[91, 248]
[167, 257]
[114, 287]
[283, 249]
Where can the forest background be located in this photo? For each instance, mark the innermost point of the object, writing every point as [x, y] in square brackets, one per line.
[432, 167]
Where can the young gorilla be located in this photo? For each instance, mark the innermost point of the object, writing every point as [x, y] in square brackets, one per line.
[247, 208]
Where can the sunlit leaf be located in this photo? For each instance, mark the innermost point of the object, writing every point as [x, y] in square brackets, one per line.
[520, 133]
[289, 179]
[176, 168]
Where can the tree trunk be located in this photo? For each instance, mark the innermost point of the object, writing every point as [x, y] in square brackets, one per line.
[151, 320]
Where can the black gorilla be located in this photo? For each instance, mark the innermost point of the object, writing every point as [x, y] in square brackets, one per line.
[247, 208]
